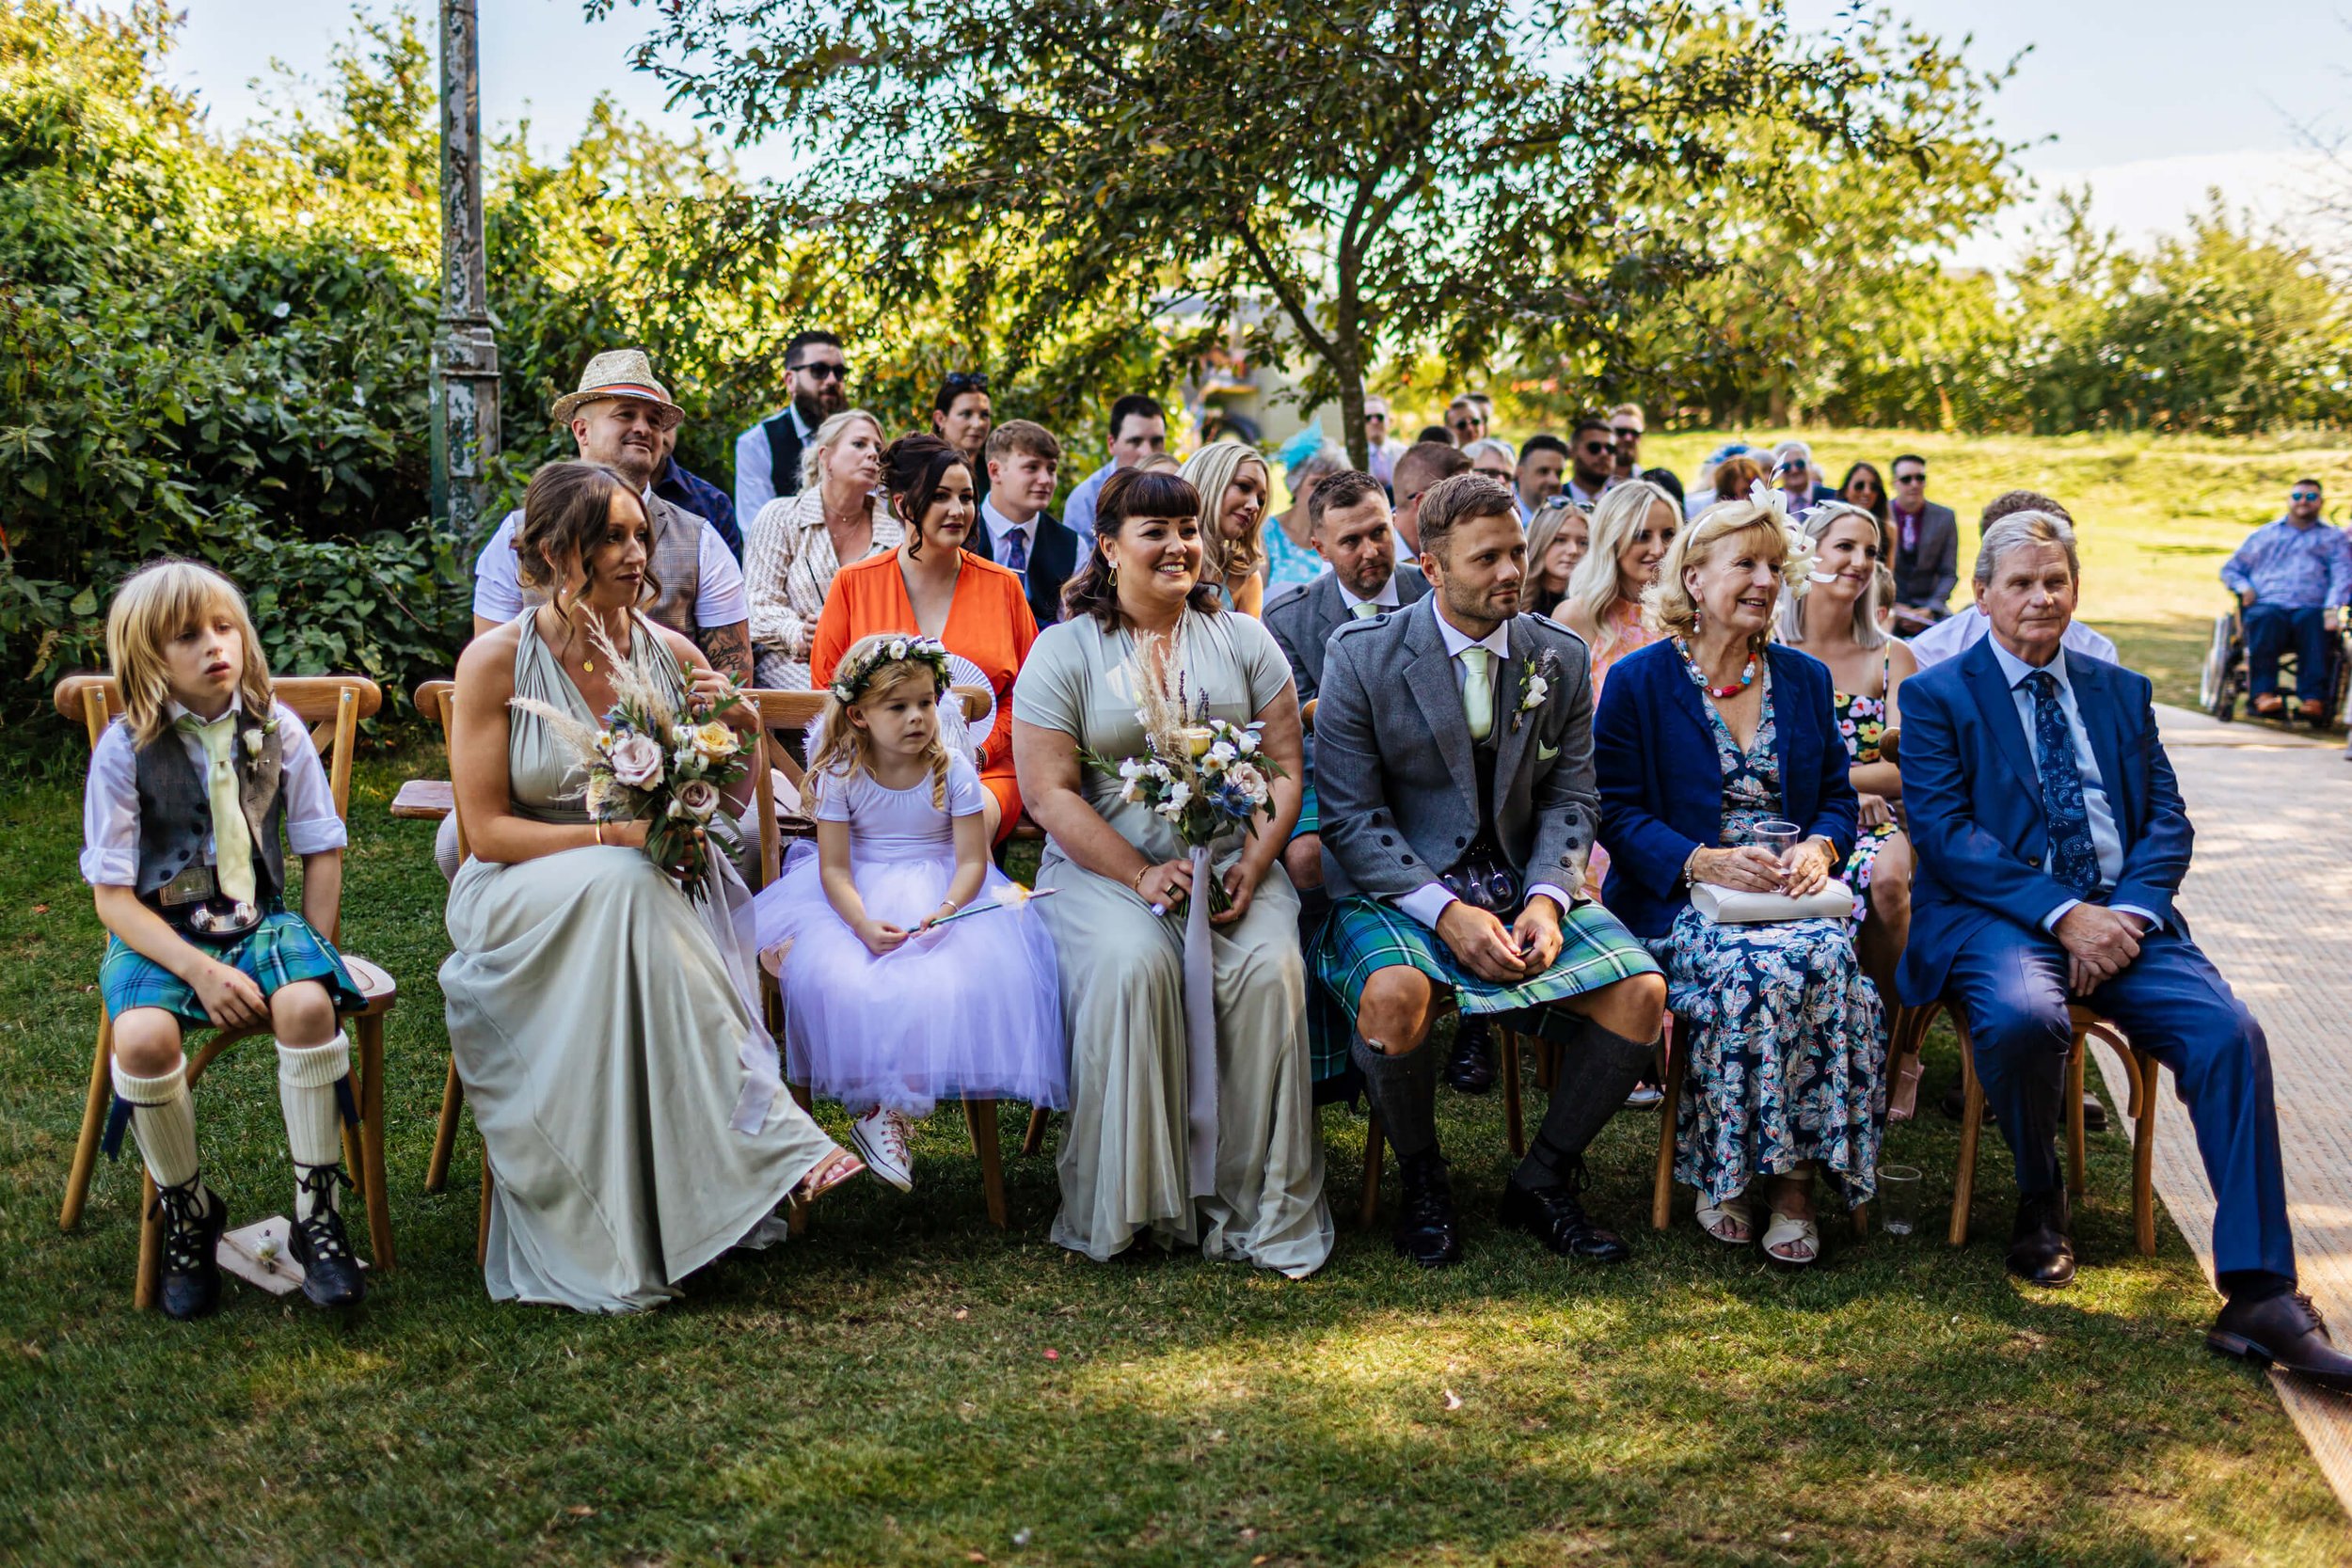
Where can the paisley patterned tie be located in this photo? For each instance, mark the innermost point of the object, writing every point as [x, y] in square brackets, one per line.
[2073, 860]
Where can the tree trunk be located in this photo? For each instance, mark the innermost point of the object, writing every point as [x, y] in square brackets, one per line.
[1352, 416]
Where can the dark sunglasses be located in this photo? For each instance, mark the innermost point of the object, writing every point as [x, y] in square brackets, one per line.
[1919, 478]
[1869, 484]
[1621, 431]
[2304, 496]
[965, 381]
[823, 370]
[1596, 448]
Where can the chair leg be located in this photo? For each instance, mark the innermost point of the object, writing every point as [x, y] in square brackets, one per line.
[2077, 1132]
[445, 1134]
[1514, 1116]
[376, 1194]
[481, 1218]
[1971, 1124]
[1376, 1138]
[147, 1292]
[2145, 1161]
[93, 1126]
[1662, 1196]
[980, 1117]
[1035, 1138]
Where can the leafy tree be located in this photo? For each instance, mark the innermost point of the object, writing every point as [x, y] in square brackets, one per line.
[1488, 177]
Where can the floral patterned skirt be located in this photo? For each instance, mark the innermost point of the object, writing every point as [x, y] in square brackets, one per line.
[1865, 853]
[1786, 1050]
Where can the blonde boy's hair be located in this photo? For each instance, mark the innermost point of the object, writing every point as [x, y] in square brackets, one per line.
[154, 605]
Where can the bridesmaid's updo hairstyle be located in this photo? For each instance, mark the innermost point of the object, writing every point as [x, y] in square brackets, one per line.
[566, 510]
[914, 468]
[1131, 493]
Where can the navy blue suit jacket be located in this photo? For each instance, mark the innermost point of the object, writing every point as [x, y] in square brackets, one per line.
[1662, 790]
[1974, 801]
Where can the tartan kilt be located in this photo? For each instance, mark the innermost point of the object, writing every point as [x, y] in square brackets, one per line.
[1366, 935]
[282, 950]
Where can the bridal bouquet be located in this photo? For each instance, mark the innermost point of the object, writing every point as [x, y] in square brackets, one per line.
[651, 759]
[1203, 776]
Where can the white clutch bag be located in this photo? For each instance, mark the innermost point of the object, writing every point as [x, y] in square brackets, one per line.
[1728, 906]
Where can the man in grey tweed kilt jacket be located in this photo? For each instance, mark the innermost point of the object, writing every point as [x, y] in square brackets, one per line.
[1454, 769]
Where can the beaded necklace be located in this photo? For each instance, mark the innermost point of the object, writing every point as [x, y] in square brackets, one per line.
[1747, 674]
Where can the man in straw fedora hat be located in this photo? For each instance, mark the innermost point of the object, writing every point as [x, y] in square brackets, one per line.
[619, 417]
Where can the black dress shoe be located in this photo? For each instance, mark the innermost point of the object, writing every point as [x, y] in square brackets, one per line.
[1954, 1103]
[2286, 1332]
[330, 1275]
[1426, 1230]
[1471, 1067]
[1554, 1217]
[2094, 1114]
[2040, 1250]
[194, 1218]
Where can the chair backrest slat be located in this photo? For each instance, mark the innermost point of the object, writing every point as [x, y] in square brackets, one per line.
[437, 701]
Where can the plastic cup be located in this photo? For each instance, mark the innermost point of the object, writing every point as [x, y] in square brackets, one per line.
[1775, 834]
[1899, 1199]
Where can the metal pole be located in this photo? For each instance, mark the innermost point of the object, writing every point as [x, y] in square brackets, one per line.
[465, 350]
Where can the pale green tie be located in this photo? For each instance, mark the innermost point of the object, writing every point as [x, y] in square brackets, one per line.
[1478, 693]
[232, 842]
[1364, 609]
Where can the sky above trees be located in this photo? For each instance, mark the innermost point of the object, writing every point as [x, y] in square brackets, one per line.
[2151, 101]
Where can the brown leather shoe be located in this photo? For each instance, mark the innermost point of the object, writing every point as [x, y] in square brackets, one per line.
[2286, 1332]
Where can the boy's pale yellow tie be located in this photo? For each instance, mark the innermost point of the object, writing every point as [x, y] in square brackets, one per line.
[232, 842]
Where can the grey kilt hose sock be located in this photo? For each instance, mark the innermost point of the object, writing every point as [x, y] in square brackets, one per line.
[1404, 1090]
[1595, 1075]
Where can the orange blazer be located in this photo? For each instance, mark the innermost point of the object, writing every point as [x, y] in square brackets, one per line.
[989, 622]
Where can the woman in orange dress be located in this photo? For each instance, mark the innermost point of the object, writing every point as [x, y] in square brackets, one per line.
[932, 585]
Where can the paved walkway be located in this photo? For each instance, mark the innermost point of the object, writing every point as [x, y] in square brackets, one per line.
[2269, 893]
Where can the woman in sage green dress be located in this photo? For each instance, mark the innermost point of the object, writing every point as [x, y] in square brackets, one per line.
[1138, 611]
[627, 1097]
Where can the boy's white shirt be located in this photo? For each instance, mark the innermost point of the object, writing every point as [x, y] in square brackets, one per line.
[111, 802]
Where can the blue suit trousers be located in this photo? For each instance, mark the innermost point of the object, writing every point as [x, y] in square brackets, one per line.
[2271, 631]
[2169, 1001]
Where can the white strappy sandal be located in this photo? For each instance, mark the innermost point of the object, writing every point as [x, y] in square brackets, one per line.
[1788, 1231]
[1731, 1222]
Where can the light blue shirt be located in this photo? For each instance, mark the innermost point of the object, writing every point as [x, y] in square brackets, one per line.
[1078, 516]
[2105, 842]
[2292, 565]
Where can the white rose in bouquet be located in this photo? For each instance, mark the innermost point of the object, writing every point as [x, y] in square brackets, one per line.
[636, 761]
[698, 798]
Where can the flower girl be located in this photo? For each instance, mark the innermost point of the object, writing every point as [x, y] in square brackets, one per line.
[886, 1008]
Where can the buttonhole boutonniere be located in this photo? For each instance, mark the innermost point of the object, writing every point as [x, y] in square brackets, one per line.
[1538, 687]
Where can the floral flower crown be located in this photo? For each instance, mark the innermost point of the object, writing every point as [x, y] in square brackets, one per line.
[856, 674]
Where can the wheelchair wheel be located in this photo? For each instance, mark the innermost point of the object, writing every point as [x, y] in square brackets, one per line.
[2217, 683]
[2339, 689]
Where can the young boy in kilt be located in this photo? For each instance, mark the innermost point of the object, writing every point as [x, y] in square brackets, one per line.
[1453, 761]
[189, 792]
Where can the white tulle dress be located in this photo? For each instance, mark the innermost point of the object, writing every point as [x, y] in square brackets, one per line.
[972, 1011]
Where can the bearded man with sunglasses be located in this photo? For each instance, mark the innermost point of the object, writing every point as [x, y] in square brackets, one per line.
[1591, 462]
[2292, 578]
[767, 456]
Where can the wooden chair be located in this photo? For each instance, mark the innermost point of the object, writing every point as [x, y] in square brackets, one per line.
[333, 706]
[1506, 1074]
[1670, 1075]
[2140, 1071]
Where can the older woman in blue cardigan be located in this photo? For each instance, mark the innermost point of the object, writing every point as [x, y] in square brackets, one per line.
[1700, 737]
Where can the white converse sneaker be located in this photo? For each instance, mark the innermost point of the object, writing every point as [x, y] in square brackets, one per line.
[881, 1136]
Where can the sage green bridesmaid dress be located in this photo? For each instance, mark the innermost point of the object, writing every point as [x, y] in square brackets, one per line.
[602, 1029]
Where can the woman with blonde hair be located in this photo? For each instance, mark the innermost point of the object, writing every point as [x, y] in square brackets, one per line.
[1233, 482]
[1833, 615]
[797, 542]
[1632, 528]
[1720, 765]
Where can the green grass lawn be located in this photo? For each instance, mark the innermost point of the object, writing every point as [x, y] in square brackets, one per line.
[907, 1386]
[2157, 516]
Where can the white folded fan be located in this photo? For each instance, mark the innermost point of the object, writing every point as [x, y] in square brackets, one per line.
[1728, 906]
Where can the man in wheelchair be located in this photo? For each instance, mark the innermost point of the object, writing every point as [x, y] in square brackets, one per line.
[2292, 577]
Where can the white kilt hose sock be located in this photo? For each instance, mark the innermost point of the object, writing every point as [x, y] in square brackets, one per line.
[163, 1119]
[308, 1077]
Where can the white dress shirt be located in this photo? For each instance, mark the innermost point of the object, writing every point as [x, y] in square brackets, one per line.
[1001, 529]
[2105, 842]
[1427, 902]
[719, 597]
[1957, 632]
[1388, 598]
[111, 802]
[755, 467]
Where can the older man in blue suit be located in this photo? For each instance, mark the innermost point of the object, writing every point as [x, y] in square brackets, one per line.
[2052, 840]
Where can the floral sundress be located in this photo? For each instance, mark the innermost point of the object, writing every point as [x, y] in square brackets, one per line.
[1786, 1038]
[1861, 720]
